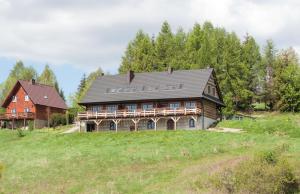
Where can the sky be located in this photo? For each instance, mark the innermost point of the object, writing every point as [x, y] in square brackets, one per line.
[79, 36]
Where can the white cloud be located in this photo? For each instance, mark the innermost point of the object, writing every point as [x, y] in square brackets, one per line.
[95, 33]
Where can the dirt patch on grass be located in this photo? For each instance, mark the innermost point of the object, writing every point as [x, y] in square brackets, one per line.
[226, 130]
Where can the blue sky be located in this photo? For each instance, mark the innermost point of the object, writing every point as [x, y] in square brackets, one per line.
[68, 76]
[79, 36]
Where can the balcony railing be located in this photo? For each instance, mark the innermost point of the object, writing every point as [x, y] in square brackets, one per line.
[19, 115]
[138, 113]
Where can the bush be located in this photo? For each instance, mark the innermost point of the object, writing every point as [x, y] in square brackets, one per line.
[20, 133]
[266, 173]
[57, 119]
[30, 125]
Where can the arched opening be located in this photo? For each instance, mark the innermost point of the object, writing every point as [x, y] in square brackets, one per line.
[170, 124]
[112, 126]
[192, 123]
[150, 124]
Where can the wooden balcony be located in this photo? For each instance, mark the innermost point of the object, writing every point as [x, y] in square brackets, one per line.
[16, 116]
[158, 112]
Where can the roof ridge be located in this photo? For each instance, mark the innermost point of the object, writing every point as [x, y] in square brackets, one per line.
[180, 70]
[37, 83]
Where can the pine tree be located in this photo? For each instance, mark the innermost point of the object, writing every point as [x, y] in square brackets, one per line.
[268, 65]
[47, 77]
[164, 47]
[139, 55]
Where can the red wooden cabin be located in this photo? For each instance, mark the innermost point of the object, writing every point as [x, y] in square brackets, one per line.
[29, 100]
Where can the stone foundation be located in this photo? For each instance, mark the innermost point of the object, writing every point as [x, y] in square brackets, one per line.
[127, 125]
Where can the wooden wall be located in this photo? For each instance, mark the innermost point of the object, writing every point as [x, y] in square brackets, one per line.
[210, 109]
[20, 104]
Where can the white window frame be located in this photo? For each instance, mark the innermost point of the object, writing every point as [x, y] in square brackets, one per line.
[131, 107]
[112, 108]
[173, 107]
[26, 98]
[14, 111]
[146, 107]
[14, 98]
[188, 104]
[96, 108]
[26, 110]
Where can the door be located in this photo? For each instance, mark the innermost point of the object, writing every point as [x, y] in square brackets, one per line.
[170, 124]
[90, 127]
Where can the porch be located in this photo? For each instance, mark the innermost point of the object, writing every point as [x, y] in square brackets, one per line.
[15, 118]
[171, 116]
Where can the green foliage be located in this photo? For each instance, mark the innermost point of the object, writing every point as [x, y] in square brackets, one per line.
[85, 84]
[48, 77]
[20, 133]
[30, 125]
[244, 74]
[18, 72]
[280, 124]
[57, 119]
[266, 173]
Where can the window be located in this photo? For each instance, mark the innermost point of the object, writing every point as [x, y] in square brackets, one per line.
[111, 108]
[96, 108]
[147, 106]
[208, 89]
[150, 124]
[26, 98]
[13, 111]
[112, 126]
[26, 110]
[191, 123]
[190, 104]
[131, 107]
[213, 91]
[14, 99]
[174, 105]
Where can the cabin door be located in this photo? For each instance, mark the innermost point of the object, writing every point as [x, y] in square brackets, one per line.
[170, 124]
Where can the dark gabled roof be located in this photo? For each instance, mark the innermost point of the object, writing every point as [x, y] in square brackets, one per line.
[39, 94]
[148, 86]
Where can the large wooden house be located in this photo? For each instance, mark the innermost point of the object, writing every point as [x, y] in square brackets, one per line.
[31, 101]
[187, 99]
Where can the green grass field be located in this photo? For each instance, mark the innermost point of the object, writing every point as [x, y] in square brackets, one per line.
[134, 162]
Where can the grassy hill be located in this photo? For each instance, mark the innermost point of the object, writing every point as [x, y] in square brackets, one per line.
[129, 162]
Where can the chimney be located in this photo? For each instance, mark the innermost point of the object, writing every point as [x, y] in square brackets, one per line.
[170, 70]
[32, 81]
[130, 76]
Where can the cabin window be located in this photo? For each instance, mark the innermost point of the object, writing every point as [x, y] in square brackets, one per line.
[13, 111]
[112, 126]
[26, 110]
[213, 91]
[111, 108]
[174, 105]
[26, 98]
[147, 106]
[190, 104]
[192, 123]
[208, 89]
[14, 99]
[131, 107]
[96, 108]
[150, 124]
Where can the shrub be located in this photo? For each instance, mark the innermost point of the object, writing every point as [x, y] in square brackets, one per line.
[20, 133]
[57, 119]
[30, 125]
[266, 173]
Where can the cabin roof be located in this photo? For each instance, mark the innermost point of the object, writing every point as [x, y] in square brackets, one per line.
[148, 86]
[39, 94]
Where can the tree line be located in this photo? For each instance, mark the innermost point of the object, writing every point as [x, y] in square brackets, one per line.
[246, 73]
